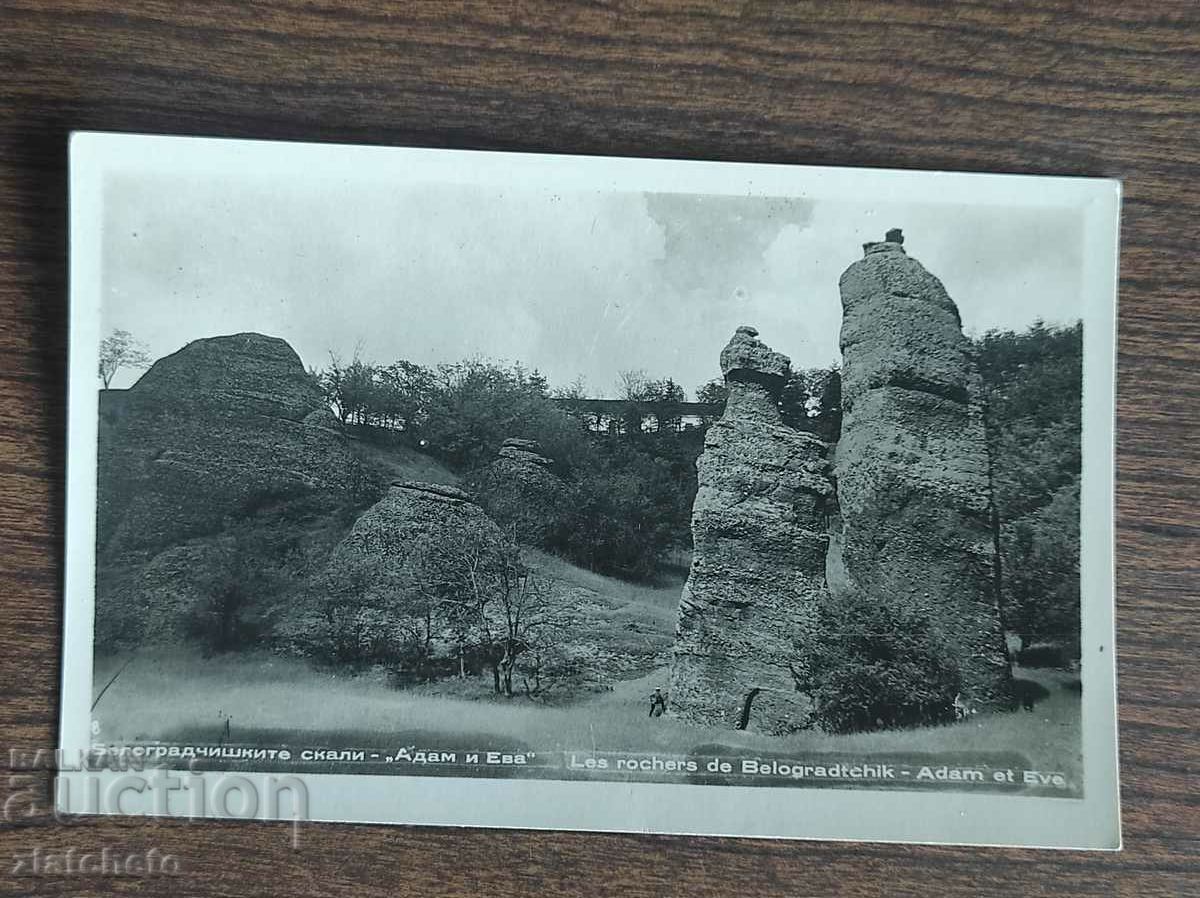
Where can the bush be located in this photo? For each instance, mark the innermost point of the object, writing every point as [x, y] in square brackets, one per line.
[872, 666]
[1048, 654]
[233, 582]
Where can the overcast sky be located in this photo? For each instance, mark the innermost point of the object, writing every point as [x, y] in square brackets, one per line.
[577, 285]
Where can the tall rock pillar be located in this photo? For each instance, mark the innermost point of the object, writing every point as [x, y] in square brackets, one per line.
[912, 464]
[758, 565]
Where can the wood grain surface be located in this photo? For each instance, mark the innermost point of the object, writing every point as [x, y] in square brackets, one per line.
[1100, 88]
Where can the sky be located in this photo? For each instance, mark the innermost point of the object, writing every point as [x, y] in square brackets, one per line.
[579, 285]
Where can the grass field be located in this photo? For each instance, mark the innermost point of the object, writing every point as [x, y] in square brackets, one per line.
[259, 698]
[177, 698]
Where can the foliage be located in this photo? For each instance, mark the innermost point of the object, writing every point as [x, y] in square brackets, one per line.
[494, 608]
[462, 602]
[630, 499]
[875, 665]
[1032, 389]
[630, 505]
[644, 398]
[394, 396]
[811, 400]
[476, 405]
[233, 582]
[716, 391]
[350, 619]
[120, 350]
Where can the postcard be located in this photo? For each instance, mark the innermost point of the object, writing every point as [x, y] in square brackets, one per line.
[490, 489]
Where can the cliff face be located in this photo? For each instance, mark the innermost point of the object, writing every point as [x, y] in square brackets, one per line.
[759, 558]
[212, 432]
[912, 463]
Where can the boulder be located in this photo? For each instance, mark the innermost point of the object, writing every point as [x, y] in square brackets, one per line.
[214, 432]
[758, 566]
[522, 493]
[410, 516]
[911, 465]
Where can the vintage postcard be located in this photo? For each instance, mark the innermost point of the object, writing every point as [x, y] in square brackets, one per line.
[491, 489]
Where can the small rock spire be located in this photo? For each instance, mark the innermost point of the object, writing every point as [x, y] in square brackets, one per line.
[893, 241]
[745, 357]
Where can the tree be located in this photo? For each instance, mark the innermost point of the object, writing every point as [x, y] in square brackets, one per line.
[632, 387]
[794, 400]
[1032, 388]
[475, 587]
[403, 395]
[716, 392]
[120, 350]
[234, 579]
[474, 406]
[351, 389]
[665, 391]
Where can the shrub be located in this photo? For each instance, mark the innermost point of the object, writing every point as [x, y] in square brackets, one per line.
[872, 666]
[234, 582]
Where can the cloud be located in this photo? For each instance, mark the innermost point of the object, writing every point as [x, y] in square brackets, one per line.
[581, 284]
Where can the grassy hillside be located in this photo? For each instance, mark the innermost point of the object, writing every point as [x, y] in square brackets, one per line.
[395, 461]
[619, 631]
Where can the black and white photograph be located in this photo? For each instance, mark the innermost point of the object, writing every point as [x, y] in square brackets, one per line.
[596, 493]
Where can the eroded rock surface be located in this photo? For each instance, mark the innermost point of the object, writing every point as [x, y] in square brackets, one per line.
[420, 543]
[912, 463]
[758, 565]
[522, 492]
[211, 433]
[411, 514]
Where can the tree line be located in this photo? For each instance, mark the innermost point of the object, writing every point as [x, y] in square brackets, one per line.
[1033, 388]
[630, 498]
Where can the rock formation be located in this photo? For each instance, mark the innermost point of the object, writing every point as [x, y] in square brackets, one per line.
[521, 491]
[411, 514]
[759, 559]
[212, 432]
[421, 543]
[912, 463]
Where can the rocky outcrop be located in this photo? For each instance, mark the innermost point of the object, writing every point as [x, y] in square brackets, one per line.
[912, 464]
[157, 602]
[521, 491]
[421, 541]
[412, 514]
[213, 432]
[758, 567]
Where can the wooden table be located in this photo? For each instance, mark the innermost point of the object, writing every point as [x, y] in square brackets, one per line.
[1029, 87]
